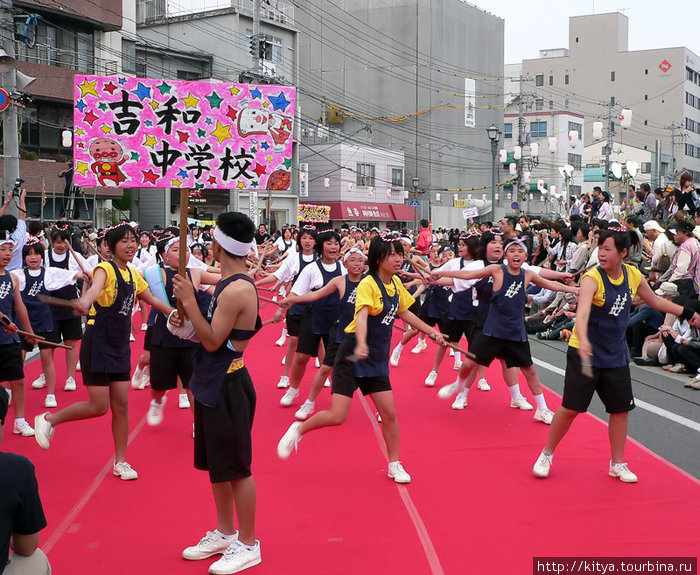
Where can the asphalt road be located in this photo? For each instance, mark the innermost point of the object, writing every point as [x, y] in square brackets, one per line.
[667, 416]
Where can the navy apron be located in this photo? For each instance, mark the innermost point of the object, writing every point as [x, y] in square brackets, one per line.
[160, 335]
[300, 308]
[67, 292]
[39, 313]
[506, 318]
[325, 311]
[347, 308]
[461, 307]
[7, 307]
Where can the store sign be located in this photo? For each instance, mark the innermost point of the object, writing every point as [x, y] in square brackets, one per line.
[469, 102]
[368, 211]
[459, 203]
[253, 211]
[665, 66]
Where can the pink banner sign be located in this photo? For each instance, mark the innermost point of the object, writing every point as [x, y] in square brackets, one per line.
[148, 133]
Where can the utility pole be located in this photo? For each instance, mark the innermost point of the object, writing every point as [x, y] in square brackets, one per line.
[9, 124]
[256, 37]
[521, 136]
[608, 147]
[673, 149]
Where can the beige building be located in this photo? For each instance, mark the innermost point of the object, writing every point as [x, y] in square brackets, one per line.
[660, 86]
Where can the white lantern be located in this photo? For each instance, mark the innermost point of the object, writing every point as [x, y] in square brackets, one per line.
[517, 152]
[455, 197]
[483, 196]
[532, 196]
[67, 138]
[509, 196]
[502, 156]
[437, 197]
[527, 177]
[388, 192]
[351, 187]
[544, 193]
[573, 138]
[370, 191]
[496, 196]
[326, 182]
[552, 144]
[513, 168]
[540, 185]
[469, 196]
[553, 191]
[534, 149]
[626, 118]
[597, 130]
[405, 194]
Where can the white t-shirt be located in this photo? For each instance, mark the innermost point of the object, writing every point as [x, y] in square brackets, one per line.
[54, 278]
[290, 266]
[311, 277]
[72, 264]
[280, 245]
[471, 266]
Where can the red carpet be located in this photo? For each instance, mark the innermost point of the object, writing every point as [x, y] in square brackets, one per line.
[473, 506]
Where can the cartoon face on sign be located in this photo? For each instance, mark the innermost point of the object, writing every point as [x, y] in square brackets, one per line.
[108, 155]
[252, 121]
[279, 180]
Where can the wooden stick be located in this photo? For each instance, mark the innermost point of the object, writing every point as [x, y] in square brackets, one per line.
[268, 300]
[57, 301]
[584, 270]
[75, 256]
[447, 343]
[184, 208]
[32, 335]
[52, 344]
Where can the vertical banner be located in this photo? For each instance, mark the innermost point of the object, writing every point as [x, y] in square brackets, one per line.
[149, 133]
[469, 102]
[253, 211]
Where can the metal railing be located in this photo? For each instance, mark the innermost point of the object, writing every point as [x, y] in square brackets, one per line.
[157, 9]
[50, 56]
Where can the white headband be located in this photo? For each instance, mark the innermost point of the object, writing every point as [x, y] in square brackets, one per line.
[352, 251]
[518, 241]
[233, 246]
[406, 240]
[170, 243]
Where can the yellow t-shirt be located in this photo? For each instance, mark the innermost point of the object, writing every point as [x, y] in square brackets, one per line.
[634, 277]
[368, 294]
[108, 295]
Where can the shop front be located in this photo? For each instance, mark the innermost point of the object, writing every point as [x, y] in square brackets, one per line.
[368, 214]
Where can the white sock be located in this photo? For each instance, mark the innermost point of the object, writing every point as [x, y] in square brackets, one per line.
[309, 402]
[515, 391]
[226, 537]
[20, 420]
[399, 347]
[541, 403]
[462, 384]
[458, 356]
[284, 332]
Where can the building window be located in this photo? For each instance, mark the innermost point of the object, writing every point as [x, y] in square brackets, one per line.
[551, 104]
[188, 75]
[539, 104]
[508, 131]
[539, 80]
[574, 160]
[365, 175]
[128, 55]
[566, 78]
[397, 177]
[646, 167]
[646, 96]
[140, 70]
[551, 80]
[573, 126]
[575, 190]
[538, 129]
[612, 76]
[612, 100]
[646, 71]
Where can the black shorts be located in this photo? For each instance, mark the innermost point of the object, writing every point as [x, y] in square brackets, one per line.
[344, 380]
[415, 307]
[94, 378]
[222, 440]
[293, 324]
[147, 338]
[455, 328]
[47, 335]
[67, 329]
[487, 348]
[331, 351]
[169, 363]
[11, 366]
[613, 384]
[308, 341]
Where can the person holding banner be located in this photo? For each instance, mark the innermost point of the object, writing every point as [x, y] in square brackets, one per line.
[105, 354]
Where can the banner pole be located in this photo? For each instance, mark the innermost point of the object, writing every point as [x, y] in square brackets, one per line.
[184, 208]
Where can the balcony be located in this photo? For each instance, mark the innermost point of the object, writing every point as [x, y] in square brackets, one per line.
[148, 10]
[50, 56]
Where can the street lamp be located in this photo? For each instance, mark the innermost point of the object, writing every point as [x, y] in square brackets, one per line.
[494, 135]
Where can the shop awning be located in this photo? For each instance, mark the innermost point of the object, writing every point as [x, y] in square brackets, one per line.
[370, 211]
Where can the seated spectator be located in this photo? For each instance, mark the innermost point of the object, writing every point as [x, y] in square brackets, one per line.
[646, 321]
[583, 248]
[662, 251]
[21, 513]
[685, 266]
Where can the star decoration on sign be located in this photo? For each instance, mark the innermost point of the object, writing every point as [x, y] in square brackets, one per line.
[253, 150]
[80, 132]
[214, 100]
[90, 117]
[255, 93]
[148, 123]
[264, 145]
[198, 186]
[110, 87]
[232, 113]
[288, 163]
[222, 132]
[154, 104]
[268, 159]
[259, 169]
[150, 176]
[182, 173]
[279, 102]
[234, 90]
[106, 129]
[103, 106]
[142, 92]
[122, 81]
[201, 133]
[164, 88]
[81, 167]
[183, 136]
[190, 101]
[240, 185]
[254, 184]
[176, 183]
[81, 105]
[135, 156]
[208, 121]
[211, 180]
[149, 141]
[88, 88]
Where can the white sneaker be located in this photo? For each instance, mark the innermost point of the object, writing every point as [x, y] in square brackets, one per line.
[521, 403]
[284, 359]
[183, 401]
[289, 441]
[70, 384]
[124, 471]
[145, 378]
[483, 385]
[460, 401]
[289, 396]
[457, 366]
[395, 357]
[77, 367]
[44, 431]
[452, 352]
[544, 415]
[144, 326]
[447, 391]
[621, 471]
[305, 410]
[23, 428]
[39, 382]
[131, 337]
[398, 473]
[236, 558]
[209, 545]
[542, 465]
[155, 412]
[431, 379]
[136, 378]
[317, 363]
[50, 401]
[327, 383]
[420, 346]
[283, 382]
[281, 341]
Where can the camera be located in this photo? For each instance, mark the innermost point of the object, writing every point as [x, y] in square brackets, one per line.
[18, 183]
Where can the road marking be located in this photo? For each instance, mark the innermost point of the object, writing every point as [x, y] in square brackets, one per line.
[679, 419]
